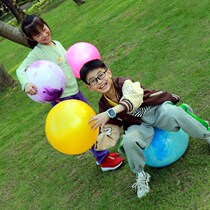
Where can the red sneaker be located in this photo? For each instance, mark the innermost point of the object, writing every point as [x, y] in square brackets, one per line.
[111, 163]
[113, 154]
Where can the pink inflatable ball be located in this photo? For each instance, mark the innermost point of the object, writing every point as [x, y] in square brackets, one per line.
[79, 54]
[49, 80]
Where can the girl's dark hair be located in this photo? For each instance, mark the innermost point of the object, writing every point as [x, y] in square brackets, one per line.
[90, 66]
[29, 27]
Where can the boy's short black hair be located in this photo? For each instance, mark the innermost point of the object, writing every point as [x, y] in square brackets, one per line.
[90, 66]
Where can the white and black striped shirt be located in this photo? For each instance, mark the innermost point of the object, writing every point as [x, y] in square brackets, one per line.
[140, 111]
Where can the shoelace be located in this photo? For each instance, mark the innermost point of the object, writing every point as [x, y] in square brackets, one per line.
[142, 183]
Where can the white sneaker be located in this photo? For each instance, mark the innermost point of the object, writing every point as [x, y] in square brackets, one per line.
[141, 185]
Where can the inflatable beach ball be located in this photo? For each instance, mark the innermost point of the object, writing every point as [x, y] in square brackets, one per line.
[79, 54]
[49, 80]
[166, 147]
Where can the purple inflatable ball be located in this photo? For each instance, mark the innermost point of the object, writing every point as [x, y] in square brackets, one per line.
[49, 80]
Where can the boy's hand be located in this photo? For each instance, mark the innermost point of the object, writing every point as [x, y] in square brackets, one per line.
[99, 120]
[30, 89]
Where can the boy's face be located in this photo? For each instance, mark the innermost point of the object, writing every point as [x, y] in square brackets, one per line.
[99, 80]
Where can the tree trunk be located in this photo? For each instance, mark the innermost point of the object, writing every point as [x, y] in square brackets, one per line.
[12, 33]
[5, 79]
[16, 11]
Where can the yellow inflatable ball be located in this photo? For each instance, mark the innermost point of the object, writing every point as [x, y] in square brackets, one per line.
[67, 127]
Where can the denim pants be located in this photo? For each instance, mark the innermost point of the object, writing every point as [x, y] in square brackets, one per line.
[165, 116]
[99, 155]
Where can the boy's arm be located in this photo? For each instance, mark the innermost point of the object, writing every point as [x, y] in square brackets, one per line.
[132, 96]
[102, 118]
[108, 137]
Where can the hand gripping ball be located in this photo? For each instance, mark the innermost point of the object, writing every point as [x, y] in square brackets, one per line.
[49, 80]
[79, 54]
[67, 127]
[166, 148]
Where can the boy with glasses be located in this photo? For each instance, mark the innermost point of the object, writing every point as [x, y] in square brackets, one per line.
[126, 104]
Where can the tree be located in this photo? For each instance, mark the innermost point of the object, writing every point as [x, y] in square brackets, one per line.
[15, 9]
[5, 79]
[12, 33]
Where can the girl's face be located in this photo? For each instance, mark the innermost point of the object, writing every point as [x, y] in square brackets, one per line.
[44, 36]
[99, 80]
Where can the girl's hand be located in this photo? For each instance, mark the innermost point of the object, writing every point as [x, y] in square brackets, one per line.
[99, 120]
[30, 89]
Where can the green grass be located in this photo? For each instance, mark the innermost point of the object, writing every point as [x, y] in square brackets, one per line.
[165, 45]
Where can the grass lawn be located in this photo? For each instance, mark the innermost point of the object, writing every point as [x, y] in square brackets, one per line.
[165, 45]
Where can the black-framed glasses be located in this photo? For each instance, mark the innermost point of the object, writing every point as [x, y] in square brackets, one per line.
[93, 81]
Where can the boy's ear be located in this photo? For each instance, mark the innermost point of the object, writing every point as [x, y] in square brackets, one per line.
[109, 73]
[89, 87]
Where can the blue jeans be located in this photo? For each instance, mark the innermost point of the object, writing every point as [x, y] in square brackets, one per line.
[99, 155]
